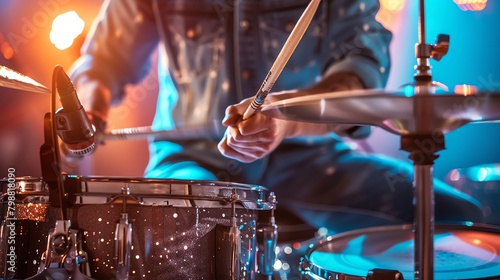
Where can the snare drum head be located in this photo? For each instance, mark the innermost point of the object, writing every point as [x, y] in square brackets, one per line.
[461, 252]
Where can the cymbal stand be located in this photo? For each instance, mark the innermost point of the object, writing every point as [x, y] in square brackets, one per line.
[423, 145]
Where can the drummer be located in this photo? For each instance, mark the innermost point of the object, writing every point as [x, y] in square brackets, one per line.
[213, 57]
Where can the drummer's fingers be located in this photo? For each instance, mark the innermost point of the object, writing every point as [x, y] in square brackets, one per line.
[244, 148]
[257, 124]
[234, 113]
[231, 119]
[241, 154]
[235, 137]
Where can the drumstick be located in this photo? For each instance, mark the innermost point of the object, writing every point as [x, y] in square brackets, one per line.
[283, 57]
[179, 133]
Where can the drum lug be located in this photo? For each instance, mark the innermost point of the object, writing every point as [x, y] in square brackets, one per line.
[229, 248]
[384, 274]
[267, 248]
[123, 246]
[268, 239]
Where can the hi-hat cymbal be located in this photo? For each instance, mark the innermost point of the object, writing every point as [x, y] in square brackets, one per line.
[395, 112]
[12, 79]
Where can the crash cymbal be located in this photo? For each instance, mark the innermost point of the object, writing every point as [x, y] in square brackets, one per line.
[12, 79]
[397, 112]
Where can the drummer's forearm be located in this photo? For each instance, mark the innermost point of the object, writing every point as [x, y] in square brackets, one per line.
[338, 81]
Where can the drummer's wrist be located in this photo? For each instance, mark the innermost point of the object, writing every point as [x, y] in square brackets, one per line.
[338, 81]
[298, 129]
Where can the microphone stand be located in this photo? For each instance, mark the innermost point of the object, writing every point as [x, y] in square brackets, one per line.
[50, 157]
[64, 256]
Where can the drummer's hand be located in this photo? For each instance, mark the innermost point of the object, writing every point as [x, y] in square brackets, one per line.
[259, 135]
[253, 138]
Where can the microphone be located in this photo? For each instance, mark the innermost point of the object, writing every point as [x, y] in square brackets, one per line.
[72, 123]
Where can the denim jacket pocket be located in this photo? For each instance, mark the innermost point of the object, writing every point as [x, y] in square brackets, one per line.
[194, 43]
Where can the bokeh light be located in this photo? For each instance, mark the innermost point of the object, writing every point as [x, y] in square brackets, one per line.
[392, 5]
[471, 5]
[65, 28]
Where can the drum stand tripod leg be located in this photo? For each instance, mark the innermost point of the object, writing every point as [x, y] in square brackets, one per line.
[64, 255]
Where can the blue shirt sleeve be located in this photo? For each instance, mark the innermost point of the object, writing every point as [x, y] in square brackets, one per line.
[118, 46]
[358, 43]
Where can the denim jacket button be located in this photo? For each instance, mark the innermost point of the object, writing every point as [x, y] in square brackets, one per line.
[289, 27]
[244, 25]
[193, 32]
[245, 74]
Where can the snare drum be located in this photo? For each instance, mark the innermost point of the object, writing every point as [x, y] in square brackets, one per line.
[177, 229]
[461, 252]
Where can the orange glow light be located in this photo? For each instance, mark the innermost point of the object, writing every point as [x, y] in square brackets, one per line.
[392, 5]
[6, 50]
[65, 28]
[471, 5]
[465, 90]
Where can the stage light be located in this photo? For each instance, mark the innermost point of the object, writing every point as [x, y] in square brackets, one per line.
[471, 5]
[65, 28]
[392, 5]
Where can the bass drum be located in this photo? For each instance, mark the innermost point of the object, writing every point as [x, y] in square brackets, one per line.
[461, 252]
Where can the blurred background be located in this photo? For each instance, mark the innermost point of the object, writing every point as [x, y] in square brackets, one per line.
[37, 35]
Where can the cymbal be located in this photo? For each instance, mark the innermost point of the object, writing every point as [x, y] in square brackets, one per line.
[12, 79]
[396, 112]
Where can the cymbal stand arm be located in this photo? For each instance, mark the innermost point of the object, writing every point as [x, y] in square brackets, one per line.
[424, 51]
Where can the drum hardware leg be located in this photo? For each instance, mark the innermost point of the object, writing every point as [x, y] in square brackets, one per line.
[64, 257]
[123, 240]
[267, 240]
[384, 274]
[228, 246]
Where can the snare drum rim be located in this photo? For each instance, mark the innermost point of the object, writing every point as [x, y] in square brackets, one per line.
[164, 181]
[257, 197]
[316, 272]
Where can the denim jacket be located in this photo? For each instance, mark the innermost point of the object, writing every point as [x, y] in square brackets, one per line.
[214, 53]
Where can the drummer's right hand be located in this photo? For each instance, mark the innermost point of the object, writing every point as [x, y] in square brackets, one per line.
[253, 138]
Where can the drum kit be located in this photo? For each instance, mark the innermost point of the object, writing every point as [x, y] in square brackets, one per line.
[81, 227]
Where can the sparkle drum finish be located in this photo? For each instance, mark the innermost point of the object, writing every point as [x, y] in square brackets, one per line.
[24, 226]
[179, 229]
[461, 252]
